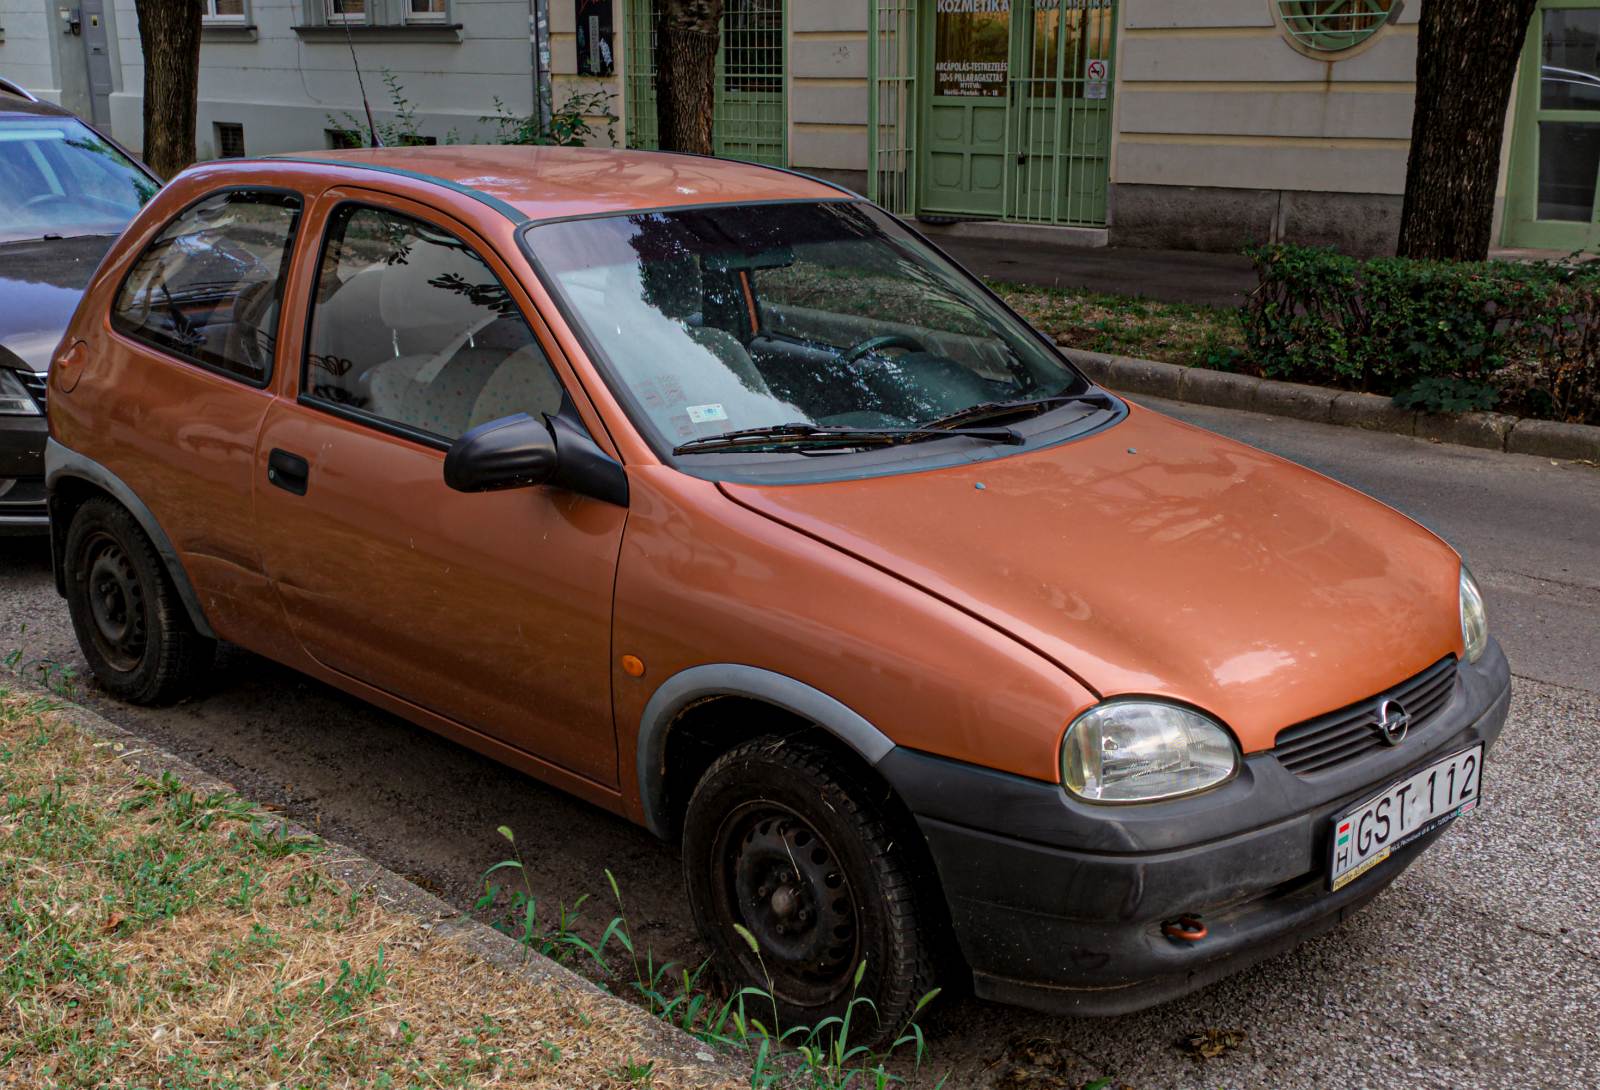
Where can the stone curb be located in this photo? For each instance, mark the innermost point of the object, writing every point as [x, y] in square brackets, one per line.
[1224, 389]
[695, 1064]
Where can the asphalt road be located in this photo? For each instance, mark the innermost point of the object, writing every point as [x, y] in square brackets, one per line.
[1479, 967]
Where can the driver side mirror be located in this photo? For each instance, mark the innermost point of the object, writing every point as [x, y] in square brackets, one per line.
[512, 452]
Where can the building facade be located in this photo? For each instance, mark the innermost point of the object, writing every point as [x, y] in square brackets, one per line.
[1201, 124]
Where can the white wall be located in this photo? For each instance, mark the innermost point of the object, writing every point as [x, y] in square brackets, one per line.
[828, 84]
[1210, 93]
[31, 39]
[282, 84]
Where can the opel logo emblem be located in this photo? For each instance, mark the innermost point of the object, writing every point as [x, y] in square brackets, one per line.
[1393, 722]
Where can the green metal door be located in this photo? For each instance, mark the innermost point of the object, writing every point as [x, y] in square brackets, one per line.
[967, 61]
[750, 120]
[1555, 160]
[1016, 110]
[1059, 135]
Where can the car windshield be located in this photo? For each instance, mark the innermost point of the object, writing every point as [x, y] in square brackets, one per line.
[722, 319]
[58, 177]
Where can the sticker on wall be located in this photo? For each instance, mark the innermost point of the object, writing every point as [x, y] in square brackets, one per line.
[594, 38]
[1096, 78]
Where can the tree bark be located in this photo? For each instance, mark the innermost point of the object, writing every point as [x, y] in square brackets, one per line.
[169, 36]
[1467, 52]
[687, 37]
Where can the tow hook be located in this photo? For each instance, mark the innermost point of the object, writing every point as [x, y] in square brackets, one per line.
[1185, 928]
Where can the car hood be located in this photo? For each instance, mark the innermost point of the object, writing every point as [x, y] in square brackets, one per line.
[1158, 558]
[41, 281]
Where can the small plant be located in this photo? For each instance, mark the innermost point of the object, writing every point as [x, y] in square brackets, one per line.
[1448, 395]
[559, 943]
[635, 1073]
[58, 677]
[569, 125]
[820, 1057]
[402, 132]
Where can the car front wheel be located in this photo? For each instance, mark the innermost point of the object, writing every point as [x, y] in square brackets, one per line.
[795, 846]
[133, 629]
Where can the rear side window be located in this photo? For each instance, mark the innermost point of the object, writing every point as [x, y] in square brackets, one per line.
[411, 328]
[210, 287]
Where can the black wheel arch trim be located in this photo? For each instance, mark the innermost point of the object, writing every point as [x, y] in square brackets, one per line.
[61, 463]
[697, 683]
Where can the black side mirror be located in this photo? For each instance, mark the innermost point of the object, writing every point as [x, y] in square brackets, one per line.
[513, 452]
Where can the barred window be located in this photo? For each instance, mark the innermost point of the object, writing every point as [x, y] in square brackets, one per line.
[1332, 26]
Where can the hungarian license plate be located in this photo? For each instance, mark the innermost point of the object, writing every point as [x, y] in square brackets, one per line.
[1415, 806]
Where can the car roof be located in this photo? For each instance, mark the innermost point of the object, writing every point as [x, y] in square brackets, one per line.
[15, 104]
[542, 183]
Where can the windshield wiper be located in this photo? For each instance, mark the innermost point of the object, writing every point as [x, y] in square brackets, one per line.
[1025, 406]
[812, 435]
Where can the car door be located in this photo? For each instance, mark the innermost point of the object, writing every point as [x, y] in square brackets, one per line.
[491, 609]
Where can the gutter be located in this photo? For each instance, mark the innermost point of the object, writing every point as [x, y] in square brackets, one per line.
[1346, 408]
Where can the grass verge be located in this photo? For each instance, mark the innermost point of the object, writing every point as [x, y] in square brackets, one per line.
[1183, 333]
[152, 936]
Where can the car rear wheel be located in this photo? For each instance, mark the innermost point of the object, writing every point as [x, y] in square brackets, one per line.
[135, 633]
[788, 842]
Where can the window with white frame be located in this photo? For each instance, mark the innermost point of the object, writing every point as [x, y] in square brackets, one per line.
[427, 11]
[347, 11]
[222, 11]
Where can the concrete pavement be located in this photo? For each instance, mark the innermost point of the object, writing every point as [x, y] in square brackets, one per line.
[1479, 967]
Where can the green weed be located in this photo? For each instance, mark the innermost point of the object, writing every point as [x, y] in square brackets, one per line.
[826, 1056]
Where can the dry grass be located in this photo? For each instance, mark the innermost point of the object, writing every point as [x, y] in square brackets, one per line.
[153, 937]
[1195, 336]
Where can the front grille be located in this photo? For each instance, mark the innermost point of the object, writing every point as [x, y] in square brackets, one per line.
[1330, 740]
[35, 384]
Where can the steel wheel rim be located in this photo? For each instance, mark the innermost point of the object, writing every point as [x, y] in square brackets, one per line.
[116, 602]
[780, 880]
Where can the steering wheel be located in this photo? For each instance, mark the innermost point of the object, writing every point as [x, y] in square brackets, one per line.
[888, 340]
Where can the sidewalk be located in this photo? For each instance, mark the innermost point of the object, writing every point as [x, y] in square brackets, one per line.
[1171, 276]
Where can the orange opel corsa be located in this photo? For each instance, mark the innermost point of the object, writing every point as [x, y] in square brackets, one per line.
[716, 496]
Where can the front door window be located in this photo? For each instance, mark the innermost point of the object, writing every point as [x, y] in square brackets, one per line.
[410, 327]
[971, 53]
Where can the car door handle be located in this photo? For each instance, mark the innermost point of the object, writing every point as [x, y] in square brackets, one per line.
[289, 472]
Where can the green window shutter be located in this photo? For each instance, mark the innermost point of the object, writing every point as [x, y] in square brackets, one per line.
[314, 12]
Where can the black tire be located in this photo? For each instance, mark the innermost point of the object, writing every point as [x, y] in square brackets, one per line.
[790, 842]
[132, 627]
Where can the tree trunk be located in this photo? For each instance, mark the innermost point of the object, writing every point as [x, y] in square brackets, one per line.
[1467, 52]
[169, 36]
[686, 73]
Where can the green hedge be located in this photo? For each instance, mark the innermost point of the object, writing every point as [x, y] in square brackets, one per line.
[1519, 337]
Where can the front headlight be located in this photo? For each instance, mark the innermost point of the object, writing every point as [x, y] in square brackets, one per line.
[1474, 621]
[14, 397]
[1142, 750]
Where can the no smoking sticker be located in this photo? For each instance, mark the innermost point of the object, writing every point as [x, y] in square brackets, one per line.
[1096, 79]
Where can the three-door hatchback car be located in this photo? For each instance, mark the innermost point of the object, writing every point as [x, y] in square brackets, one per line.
[718, 497]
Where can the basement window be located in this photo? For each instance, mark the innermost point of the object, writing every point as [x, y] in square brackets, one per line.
[1319, 27]
[230, 140]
